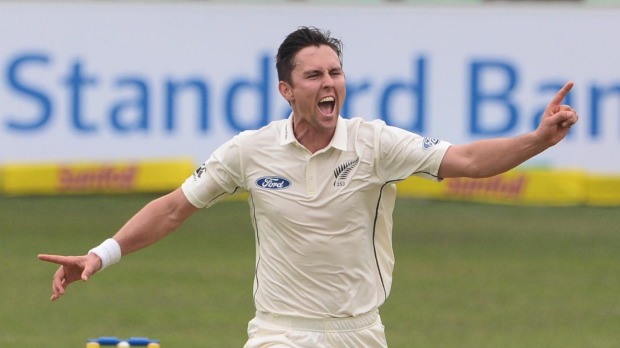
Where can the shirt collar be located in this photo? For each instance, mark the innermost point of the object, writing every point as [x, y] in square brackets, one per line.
[339, 140]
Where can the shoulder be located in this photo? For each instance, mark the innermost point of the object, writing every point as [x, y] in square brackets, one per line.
[355, 123]
[267, 132]
[359, 121]
[368, 132]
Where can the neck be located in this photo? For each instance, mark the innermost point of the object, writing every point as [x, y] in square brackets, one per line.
[311, 138]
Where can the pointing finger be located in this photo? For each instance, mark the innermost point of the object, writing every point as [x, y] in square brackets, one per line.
[559, 97]
[52, 258]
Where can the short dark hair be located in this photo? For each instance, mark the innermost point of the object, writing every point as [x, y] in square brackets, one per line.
[296, 41]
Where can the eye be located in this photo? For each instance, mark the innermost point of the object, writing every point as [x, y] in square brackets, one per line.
[313, 74]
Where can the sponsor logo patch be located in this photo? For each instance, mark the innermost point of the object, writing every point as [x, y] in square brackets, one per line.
[198, 173]
[273, 183]
[427, 143]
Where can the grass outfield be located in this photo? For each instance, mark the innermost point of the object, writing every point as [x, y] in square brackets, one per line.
[467, 275]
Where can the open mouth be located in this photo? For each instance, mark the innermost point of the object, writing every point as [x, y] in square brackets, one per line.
[327, 105]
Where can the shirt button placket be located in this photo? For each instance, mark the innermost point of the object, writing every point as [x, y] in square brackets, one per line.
[311, 177]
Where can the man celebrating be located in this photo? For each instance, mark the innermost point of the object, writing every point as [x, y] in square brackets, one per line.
[321, 194]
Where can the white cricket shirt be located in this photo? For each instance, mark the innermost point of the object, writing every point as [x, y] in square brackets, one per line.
[322, 221]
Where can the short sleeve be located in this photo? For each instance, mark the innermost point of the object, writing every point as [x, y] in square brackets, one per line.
[403, 154]
[218, 177]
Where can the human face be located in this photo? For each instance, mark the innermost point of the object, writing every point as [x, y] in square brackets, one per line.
[317, 89]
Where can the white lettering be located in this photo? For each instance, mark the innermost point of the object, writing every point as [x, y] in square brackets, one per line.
[272, 183]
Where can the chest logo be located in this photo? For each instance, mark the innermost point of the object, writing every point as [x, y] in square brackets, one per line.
[272, 183]
[342, 172]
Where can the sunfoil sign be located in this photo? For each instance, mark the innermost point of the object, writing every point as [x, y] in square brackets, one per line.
[84, 82]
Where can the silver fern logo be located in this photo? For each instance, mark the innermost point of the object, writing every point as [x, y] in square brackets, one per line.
[342, 172]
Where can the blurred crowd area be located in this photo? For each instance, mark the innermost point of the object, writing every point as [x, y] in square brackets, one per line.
[353, 2]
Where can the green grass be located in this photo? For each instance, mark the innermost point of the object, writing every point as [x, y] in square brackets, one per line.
[467, 275]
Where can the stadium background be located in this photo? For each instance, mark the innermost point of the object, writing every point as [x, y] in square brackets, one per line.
[107, 96]
[100, 111]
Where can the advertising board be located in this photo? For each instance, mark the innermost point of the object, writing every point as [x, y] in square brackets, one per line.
[132, 81]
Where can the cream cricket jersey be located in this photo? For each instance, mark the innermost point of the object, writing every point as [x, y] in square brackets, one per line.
[322, 221]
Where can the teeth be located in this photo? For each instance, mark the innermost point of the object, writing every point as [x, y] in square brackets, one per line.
[326, 99]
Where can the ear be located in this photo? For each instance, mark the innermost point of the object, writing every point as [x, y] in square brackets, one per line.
[286, 91]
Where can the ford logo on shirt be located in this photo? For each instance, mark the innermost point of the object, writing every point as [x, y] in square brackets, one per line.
[273, 183]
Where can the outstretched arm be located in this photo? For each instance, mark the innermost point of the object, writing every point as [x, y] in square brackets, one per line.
[153, 222]
[490, 157]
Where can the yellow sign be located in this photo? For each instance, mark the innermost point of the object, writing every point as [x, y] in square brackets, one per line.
[117, 177]
[542, 187]
[603, 190]
[514, 187]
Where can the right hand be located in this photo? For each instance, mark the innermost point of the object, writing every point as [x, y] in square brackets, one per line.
[71, 268]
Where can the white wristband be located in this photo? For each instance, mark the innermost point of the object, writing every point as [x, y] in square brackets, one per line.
[109, 252]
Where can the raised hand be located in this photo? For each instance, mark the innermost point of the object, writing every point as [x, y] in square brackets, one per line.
[557, 118]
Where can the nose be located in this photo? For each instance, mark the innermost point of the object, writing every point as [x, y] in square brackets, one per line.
[328, 81]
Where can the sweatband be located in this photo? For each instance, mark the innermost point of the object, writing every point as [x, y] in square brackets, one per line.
[109, 252]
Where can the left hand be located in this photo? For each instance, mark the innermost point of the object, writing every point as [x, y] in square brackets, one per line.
[557, 118]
